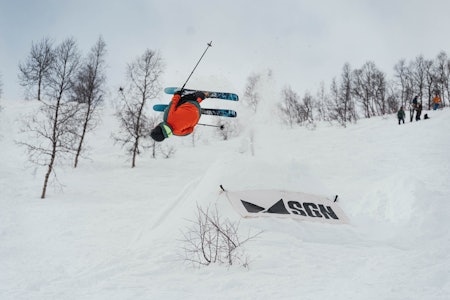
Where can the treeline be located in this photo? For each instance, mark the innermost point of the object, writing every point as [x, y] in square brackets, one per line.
[363, 92]
[71, 89]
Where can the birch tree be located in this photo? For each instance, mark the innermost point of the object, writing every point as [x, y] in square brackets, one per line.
[52, 131]
[143, 84]
[37, 67]
[252, 94]
[89, 92]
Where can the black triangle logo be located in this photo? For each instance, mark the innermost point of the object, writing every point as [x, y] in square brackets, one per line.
[252, 208]
[278, 208]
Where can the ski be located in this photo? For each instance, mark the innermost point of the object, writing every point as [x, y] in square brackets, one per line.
[217, 95]
[229, 113]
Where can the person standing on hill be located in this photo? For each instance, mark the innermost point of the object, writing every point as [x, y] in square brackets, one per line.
[401, 115]
[436, 101]
[418, 111]
[414, 102]
[413, 108]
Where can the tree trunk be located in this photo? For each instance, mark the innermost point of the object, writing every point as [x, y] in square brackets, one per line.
[137, 131]
[54, 146]
[83, 134]
[49, 171]
[135, 151]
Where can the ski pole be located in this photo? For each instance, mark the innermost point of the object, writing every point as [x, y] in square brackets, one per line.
[209, 45]
[218, 126]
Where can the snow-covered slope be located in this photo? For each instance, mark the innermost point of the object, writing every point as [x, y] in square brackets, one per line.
[107, 231]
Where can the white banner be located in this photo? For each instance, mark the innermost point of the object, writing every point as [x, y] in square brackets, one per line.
[301, 206]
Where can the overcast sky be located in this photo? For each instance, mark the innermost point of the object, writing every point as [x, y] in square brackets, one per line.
[304, 42]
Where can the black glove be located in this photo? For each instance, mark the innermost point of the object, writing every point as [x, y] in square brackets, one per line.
[193, 96]
[199, 94]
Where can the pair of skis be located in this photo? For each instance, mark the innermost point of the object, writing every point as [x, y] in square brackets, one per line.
[205, 111]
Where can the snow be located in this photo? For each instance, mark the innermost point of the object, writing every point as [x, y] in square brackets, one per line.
[107, 231]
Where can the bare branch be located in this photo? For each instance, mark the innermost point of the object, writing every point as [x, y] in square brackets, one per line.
[213, 240]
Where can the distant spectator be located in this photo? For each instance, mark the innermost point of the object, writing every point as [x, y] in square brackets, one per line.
[436, 102]
[401, 116]
[413, 108]
[414, 102]
[418, 111]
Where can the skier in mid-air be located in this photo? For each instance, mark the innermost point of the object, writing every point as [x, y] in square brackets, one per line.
[180, 117]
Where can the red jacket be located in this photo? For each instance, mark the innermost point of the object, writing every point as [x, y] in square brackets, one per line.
[182, 118]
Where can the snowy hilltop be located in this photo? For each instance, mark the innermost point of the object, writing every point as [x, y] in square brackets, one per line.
[108, 231]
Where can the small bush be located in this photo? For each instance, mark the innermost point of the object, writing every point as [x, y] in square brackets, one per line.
[211, 239]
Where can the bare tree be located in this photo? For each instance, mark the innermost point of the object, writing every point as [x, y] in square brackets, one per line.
[345, 95]
[211, 239]
[143, 76]
[55, 130]
[379, 94]
[418, 75]
[290, 107]
[392, 101]
[430, 79]
[423, 78]
[251, 94]
[341, 107]
[307, 108]
[361, 88]
[37, 66]
[337, 111]
[368, 88]
[400, 83]
[403, 75]
[296, 111]
[442, 71]
[89, 92]
[321, 103]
